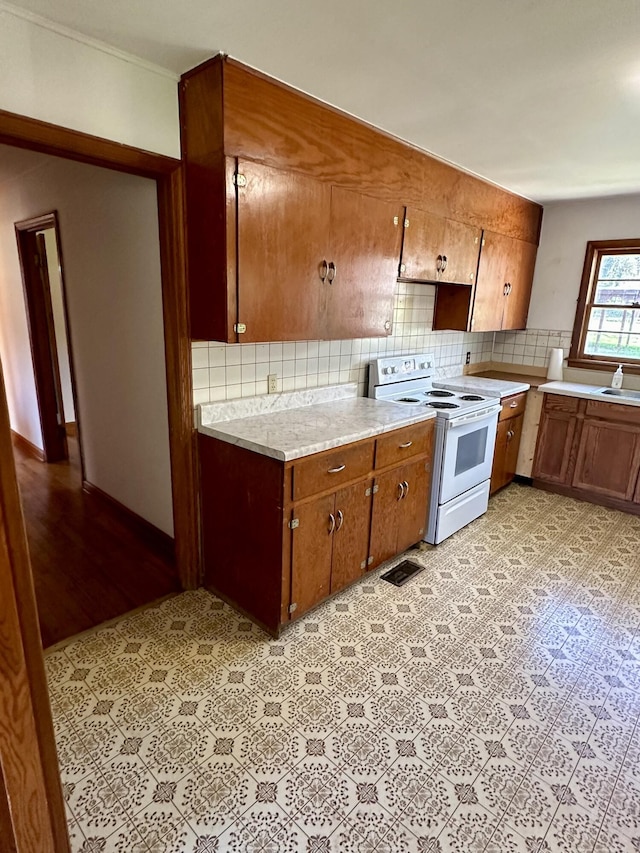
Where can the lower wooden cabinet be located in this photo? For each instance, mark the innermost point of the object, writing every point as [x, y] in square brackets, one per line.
[591, 450]
[508, 438]
[280, 537]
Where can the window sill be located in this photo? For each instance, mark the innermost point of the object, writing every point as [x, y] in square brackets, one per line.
[609, 366]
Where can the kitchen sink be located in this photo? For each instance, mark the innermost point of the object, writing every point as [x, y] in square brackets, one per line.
[619, 392]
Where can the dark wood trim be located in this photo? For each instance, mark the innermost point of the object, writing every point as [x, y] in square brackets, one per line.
[522, 480]
[24, 132]
[71, 428]
[579, 494]
[31, 788]
[27, 446]
[184, 472]
[42, 335]
[577, 358]
[159, 541]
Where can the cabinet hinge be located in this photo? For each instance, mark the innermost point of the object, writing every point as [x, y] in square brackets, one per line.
[369, 560]
[396, 220]
[406, 223]
[295, 522]
[367, 492]
[239, 328]
[363, 564]
[376, 488]
[403, 267]
[293, 607]
[239, 180]
[483, 241]
[475, 242]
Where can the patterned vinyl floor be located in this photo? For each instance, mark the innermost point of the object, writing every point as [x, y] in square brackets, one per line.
[491, 704]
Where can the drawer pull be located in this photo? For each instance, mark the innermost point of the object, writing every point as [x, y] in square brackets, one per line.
[336, 470]
[406, 488]
[332, 523]
[513, 405]
[340, 520]
[400, 491]
[405, 445]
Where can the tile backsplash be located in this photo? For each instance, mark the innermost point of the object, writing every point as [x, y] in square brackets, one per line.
[229, 371]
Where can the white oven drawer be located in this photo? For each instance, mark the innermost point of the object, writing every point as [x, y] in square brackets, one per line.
[459, 512]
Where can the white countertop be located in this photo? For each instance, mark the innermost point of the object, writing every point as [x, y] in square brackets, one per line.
[585, 392]
[482, 385]
[291, 433]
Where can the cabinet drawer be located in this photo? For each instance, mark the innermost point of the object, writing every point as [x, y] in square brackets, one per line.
[613, 412]
[327, 470]
[558, 403]
[513, 406]
[403, 443]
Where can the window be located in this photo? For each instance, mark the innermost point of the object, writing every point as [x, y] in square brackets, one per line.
[607, 326]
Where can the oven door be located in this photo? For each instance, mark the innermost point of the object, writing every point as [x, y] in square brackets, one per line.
[469, 442]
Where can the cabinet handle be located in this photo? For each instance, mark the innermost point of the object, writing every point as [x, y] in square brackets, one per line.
[444, 263]
[332, 272]
[340, 520]
[508, 288]
[504, 289]
[513, 405]
[324, 269]
[405, 445]
[439, 263]
[400, 491]
[332, 523]
[510, 434]
[406, 488]
[336, 470]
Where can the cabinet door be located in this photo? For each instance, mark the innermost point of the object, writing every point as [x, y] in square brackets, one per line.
[520, 276]
[283, 238]
[461, 248]
[413, 508]
[553, 450]
[312, 544]
[365, 248]
[506, 453]
[384, 517]
[598, 469]
[423, 242]
[490, 292]
[351, 536]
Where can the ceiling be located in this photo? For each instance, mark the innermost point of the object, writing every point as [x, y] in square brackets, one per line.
[540, 96]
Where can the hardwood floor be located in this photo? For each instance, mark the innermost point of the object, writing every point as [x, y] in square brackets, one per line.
[88, 565]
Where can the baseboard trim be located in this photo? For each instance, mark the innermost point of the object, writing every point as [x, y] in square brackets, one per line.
[524, 481]
[26, 446]
[156, 539]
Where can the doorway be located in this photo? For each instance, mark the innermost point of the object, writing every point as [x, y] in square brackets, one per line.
[40, 254]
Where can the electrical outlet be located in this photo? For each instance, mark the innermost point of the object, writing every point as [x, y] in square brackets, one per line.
[272, 380]
[468, 359]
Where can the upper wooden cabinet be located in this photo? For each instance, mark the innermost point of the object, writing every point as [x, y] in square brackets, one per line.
[501, 296]
[277, 183]
[313, 260]
[436, 249]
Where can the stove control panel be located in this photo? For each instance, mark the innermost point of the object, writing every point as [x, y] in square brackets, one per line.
[397, 368]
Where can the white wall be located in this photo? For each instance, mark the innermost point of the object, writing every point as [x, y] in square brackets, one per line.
[566, 228]
[109, 236]
[59, 324]
[57, 78]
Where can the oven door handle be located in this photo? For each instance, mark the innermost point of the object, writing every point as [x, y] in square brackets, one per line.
[484, 414]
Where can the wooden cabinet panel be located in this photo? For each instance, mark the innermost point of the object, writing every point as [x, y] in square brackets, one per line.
[506, 452]
[439, 250]
[490, 292]
[403, 443]
[329, 469]
[522, 261]
[554, 447]
[608, 459]
[384, 517]
[312, 545]
[283, 239]
[351, 536]
[613, 412]
[364, 247]
[413, 508]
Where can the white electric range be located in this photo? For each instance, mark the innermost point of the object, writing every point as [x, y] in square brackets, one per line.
[464, 441]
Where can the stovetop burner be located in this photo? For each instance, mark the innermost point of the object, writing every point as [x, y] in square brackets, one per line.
[471, 397]
[407, 400]
[438, 393]
[439, 405]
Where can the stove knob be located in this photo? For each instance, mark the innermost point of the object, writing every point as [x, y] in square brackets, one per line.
[386, 370]
[394, 369]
